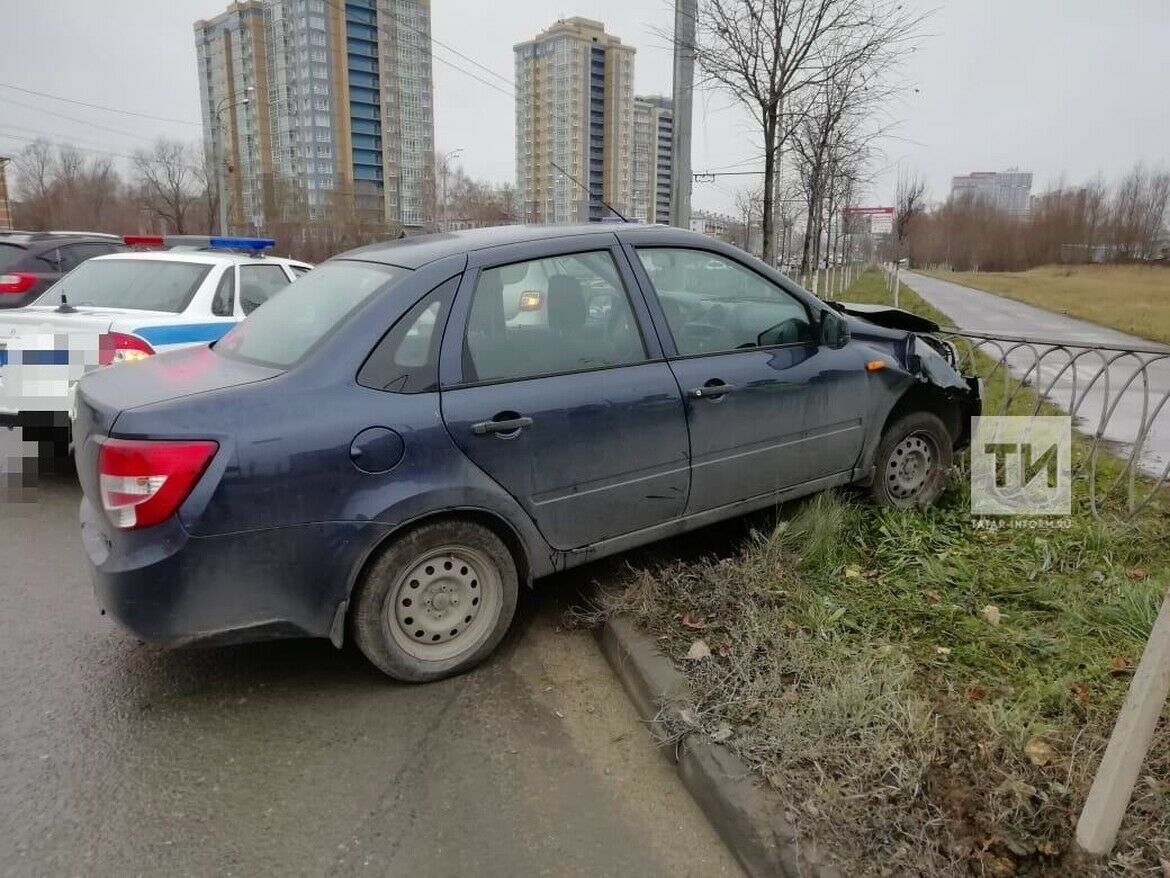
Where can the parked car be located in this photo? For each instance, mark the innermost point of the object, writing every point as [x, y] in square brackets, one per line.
[380, 454]
[123, 307]
[30, 262]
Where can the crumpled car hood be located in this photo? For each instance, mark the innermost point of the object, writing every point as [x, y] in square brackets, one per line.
[884, 315]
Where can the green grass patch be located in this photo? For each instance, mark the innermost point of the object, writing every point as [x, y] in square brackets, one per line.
[930, 695]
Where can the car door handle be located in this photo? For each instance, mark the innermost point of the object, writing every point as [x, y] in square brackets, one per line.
[501, 425]
[711, 390]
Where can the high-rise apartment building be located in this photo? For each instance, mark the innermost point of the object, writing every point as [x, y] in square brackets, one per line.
[232, 58]
[653, 151]
[575, 109]
[348, 99]
[1009, 191]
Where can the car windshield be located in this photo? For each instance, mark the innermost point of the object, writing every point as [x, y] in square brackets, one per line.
[287, 326]
[134, 284]
[9, 255]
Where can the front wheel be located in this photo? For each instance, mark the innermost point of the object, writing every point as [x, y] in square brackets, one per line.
[912, 462]
[436, 602]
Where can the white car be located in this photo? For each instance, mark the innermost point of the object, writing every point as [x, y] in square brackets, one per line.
[127, 306]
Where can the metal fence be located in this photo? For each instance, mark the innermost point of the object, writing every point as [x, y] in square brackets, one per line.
[1117, 397]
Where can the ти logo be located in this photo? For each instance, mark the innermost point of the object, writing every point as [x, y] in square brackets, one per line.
[1021, 466]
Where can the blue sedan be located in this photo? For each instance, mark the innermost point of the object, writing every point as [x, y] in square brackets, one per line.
[390, 448]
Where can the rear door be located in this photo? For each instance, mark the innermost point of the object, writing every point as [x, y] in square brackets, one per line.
[768, 407]
[557, 393]
[259, 282]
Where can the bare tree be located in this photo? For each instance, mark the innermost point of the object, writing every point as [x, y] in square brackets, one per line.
[766, 52]
[168, 179]
[749, 205]
[909, 204]
[34, 184]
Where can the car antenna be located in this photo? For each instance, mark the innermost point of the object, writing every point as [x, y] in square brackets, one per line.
[590, 194]
[65, 307]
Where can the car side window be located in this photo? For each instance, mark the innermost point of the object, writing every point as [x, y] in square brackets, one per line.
[259, 283]
[71, 256]
[713, 303]
[564, 313]
[224, 303]
[406, 360]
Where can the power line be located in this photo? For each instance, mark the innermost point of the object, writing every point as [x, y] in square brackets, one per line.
[120, 155]
[85, 122]
[41, 94]
[68, 139]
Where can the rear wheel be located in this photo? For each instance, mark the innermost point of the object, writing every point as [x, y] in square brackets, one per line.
[912, 462]
[436, 602]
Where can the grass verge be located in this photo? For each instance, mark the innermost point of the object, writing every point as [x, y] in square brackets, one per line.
[928, 695]
[1131, 298]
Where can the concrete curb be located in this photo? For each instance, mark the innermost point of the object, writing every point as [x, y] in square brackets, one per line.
[749, 818]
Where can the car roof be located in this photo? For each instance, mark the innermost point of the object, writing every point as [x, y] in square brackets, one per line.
[419, 250]
[48, 240]
[201, 257]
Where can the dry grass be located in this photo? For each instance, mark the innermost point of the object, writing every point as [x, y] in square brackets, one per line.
[1132, 298]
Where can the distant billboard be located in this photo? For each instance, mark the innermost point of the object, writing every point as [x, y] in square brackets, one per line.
[875, 220]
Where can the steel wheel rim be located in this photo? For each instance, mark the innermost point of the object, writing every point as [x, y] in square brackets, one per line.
[910, 467]
[444, 603]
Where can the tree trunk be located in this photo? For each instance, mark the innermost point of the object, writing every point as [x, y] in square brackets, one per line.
[769, 206]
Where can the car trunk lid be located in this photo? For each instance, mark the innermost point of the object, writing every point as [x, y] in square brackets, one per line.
[105, 394]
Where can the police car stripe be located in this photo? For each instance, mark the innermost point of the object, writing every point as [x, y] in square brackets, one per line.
[182, 333]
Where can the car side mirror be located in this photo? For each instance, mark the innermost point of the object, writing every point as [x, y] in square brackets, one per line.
[834, 330]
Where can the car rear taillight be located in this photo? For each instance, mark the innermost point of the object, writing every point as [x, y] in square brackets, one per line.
[118, 347]
[144, 481]
[17, 282]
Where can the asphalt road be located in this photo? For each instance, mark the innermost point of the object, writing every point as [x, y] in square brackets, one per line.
[294, 758]
[986, 312]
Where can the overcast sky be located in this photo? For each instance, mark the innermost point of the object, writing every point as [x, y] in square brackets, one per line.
[1072, 87]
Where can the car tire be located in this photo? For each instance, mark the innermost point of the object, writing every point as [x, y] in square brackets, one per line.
[912, 462]
[436, 601]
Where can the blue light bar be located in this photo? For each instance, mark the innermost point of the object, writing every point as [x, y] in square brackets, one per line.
[217, 242]
[253, 244]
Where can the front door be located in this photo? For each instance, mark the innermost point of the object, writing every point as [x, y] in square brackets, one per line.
[768, 407]
[551, 388]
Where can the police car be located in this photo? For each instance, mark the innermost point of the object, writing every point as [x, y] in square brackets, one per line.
[128, 306]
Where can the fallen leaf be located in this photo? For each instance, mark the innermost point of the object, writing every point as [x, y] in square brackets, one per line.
[1138, 573]
[992, 614]
[699, 650]
[1118, 664]
[691, 622]
[1039, 752]
[721, 734]
[932, 596]
[943, 651]
[1015, 786]
[852, 573]
[1081, 692]
[976, 693]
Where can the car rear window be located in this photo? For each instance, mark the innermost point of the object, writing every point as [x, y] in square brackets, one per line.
[134, 284]
[288, 326]
[10, 254]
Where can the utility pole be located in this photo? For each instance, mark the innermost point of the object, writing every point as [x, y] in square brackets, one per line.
[220, 157]
[5, 204]
[685, 12]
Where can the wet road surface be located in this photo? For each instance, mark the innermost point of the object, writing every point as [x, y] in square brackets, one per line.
[294, 758]
[977, 310]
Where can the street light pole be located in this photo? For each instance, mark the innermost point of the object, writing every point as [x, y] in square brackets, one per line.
[221, 159]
